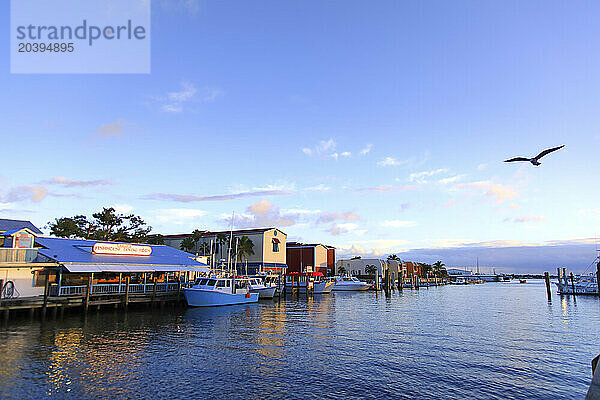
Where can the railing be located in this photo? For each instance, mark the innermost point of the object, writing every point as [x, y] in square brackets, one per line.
[115, 288]
[17, 255]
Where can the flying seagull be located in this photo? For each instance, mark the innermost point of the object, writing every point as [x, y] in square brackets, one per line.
[536, 160]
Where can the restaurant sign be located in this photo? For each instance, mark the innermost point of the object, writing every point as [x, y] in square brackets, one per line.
[121, 249]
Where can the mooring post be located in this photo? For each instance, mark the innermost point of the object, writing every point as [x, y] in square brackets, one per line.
[376, 280]
[572, 283]
[46, 290]
[1, 289]
[87, 293]
[548, 290]
[154, 290]
[400, 283]
[598, 276]
[126, 292]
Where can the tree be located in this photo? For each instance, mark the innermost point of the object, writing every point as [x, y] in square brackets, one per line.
[393, 257]
[245, 249]
[222, 239]
[104, 225]
[341, 271]
[370, 269]
[425, 269]
[156, 239]
[187, 244]
[205, 248]
[439, 269]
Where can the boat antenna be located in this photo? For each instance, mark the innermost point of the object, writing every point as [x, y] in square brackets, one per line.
[230, 240]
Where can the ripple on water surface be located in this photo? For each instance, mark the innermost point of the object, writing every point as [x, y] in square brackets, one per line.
[491, 341]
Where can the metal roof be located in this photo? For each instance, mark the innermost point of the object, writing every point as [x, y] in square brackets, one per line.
[130, 268]
[77, 251]
[213, 233]
[13, 231]
[12, 224]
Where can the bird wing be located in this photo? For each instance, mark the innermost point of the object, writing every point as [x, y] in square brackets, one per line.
[548, 151]
[517, 159]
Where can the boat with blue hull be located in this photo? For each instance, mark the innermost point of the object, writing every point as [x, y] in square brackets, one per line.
[211, 292]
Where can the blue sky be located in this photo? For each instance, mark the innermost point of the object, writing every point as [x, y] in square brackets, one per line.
[375, 127]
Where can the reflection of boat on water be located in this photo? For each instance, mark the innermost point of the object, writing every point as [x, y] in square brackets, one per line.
[208, 292]
[350, 283]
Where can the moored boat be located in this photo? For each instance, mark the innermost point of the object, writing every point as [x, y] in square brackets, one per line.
[350, 283]
[210, 292]
[583, 284]
[257, 285]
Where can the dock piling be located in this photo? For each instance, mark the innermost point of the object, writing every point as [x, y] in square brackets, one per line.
[572, 283]
[548, 290]
[598, 276]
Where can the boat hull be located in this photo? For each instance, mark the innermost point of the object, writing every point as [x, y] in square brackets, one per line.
[590, 289]
[211, 298]
[323, 287]
[265, 293]
[351, 287]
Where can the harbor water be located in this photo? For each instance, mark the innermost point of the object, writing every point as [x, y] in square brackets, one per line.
[487, 341]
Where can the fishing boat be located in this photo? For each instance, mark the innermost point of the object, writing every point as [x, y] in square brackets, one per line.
[350, 283]
[582, 284]
[210, 292]
[257, 285]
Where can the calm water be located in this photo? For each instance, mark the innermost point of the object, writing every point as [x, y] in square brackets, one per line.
[490, 341]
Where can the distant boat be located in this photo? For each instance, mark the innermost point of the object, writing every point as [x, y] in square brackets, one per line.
[350, 283]
[522, 281]
[459, 281]
[210, 292]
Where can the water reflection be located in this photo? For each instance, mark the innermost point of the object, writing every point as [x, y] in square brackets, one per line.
[485, 341]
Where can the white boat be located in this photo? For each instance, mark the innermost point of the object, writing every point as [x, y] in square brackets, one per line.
[459, 281]
[256, 285]
[350, 283]
[209, 292]
[323, 287]
[583, 284]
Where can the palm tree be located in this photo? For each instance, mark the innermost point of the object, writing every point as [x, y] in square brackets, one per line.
[205, 248]
[245, 249]
[341, 271]
[370, 269]
[187, 244]
[222, 239]
[393, 257]
[438, 268]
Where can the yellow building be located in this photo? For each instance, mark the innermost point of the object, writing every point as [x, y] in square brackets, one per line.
[269, 247]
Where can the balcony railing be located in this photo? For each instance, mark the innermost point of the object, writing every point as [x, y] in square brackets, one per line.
[8, 255]
[115, 288]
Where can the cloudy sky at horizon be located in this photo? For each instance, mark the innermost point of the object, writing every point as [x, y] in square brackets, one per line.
[378, 129]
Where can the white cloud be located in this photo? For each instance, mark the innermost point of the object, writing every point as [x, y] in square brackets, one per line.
[339, 229]
[346, 154]
[123, 208]
[420, 177]
[530, 218]
[497, 191]
[178, 216]
[327, 217]
[24, 193]
[389, 162]
[366, 150]
[174, 102]
[61, 180]
[335, 156]
[481, 167]
[323, 147]
[396, 223]
[451, 179]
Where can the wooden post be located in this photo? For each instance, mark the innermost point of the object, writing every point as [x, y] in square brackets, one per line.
[46, 290]
[126, 292]
[120, 279]
[154, 291]
[400, 281]
[377, 280]
[548, 290]
[573, 284]
[1, 289]
[598, 276]
[88, 292]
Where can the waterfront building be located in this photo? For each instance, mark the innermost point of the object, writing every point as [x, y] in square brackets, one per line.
[314, 257]
[359, 266]
[33, 267]
[412, 268]
[269, 247]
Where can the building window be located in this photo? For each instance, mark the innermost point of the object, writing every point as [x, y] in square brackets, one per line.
[275, 245]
